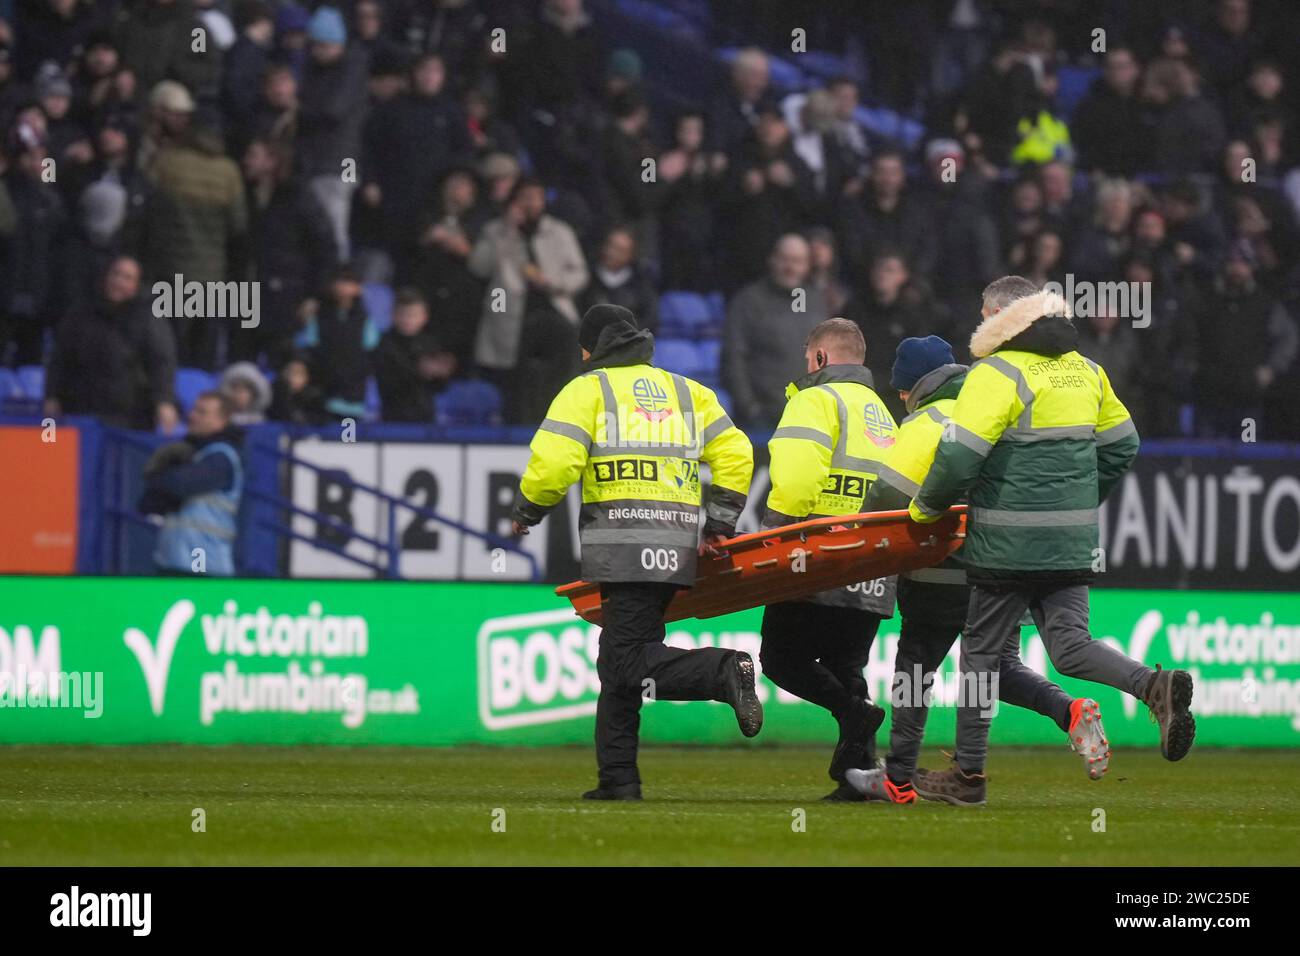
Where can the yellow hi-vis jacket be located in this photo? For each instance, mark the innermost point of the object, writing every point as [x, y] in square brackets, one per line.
[825, 453]
[929, 404]
[636, 435]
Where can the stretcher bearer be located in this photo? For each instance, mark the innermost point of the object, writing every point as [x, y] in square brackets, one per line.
[1038, 439]
[933, 601]
[635, 436]
[825, 453]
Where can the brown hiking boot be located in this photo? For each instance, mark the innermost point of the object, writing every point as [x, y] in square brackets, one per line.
[1169, 698]
[951, 786]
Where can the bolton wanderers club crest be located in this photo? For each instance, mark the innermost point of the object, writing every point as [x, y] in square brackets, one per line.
[651, 400]
[879, 426]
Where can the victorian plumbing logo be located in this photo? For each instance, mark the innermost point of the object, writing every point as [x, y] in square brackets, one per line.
[304, 687]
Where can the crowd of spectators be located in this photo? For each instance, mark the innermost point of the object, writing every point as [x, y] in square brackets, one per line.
[490, 162]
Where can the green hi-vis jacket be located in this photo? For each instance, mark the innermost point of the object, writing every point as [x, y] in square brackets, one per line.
[826, 451]
[1039, 439]
[929, 404]
[636, 436]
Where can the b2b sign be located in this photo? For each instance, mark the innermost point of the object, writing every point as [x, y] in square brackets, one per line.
[473, 485]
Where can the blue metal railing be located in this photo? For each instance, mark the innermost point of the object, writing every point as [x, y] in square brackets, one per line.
[120, 472]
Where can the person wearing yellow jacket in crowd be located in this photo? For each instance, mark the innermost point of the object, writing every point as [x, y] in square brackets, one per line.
[635, 436]
[933, 601]
[825, 453]
[1037, 439]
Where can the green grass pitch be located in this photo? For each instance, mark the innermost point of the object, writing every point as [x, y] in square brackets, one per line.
[309, 806]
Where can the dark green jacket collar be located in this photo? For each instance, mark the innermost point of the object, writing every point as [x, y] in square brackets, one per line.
[942, 382]
[831, 373]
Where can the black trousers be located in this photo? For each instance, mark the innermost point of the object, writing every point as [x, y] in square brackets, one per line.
[818, 652]
[634, 665]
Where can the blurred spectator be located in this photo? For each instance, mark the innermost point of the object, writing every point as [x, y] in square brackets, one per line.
[53, 31]
[341, 335]
[823, 275]
[851, 137]
[1195, 233]
[771, 193]
[767, 327]
[411, 365]
[196, 212]
[565, 58]
[248, 393]
[410, 143]
[456, 30]
[690, 178]
[29, 260]
[196, 485]
[1188, 131]
[95, 239]
[291, 22]
[489, 132]
[12, 92]
[625, 196]
[1229, 43]
[452, 225]
[113, 358]
[156, 41]
[1109, 124]
[277, 106]
[886, 217]
[1262, 96]
[102, 87]
[1100, 246]
[534, 268]
[891, 308]
[241, 88]
[293, 245]
[967, 254]
[734, 114]
[1247, 343]
[294, 397]
[1111, 342]
[331, 115]
[617, 279]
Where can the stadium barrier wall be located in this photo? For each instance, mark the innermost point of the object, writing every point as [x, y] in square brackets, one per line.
[209, 661]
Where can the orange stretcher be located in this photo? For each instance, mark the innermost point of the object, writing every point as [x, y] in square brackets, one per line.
[760, 568]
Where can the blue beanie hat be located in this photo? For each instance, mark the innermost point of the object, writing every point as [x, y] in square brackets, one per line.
[918, 357]
[327, 26]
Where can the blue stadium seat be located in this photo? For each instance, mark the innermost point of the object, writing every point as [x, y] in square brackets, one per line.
[684, 315]
[824, 66]
[10, 386]
[190, 382]
[1073, 83]
[31, 378]
[378, 299]
[724, 398]
[709, 370]
[652, 15]
[372, 399]
[469, 402]
[679, 355]
[717, 308]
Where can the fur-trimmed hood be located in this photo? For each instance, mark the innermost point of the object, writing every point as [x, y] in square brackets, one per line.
[1001, 327]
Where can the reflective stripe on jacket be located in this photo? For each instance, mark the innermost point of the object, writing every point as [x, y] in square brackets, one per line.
[826, 451]
[1038, 438]
[636, 435]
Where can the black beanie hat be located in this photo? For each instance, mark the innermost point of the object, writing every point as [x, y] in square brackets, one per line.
[597, 319]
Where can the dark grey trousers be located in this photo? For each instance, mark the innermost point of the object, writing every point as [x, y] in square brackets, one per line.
[934, 616]
[1061, 613]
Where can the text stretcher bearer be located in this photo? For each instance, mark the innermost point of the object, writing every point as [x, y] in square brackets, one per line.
[933, 601]
[635, 435]
[825, 453]
[1038, 439]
